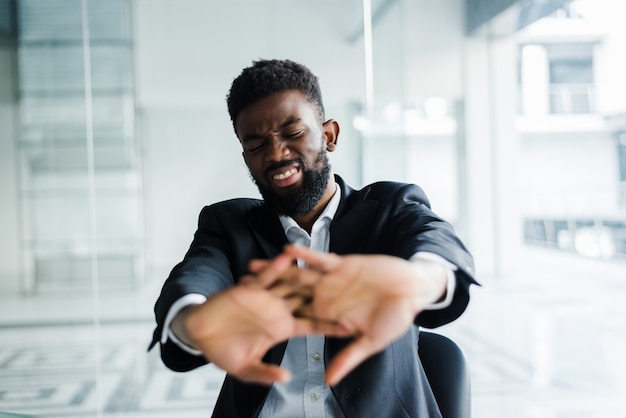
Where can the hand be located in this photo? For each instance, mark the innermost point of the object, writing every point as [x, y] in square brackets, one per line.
[375, 297]
[235, 328]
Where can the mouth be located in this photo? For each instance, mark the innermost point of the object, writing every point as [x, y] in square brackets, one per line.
[285, 176]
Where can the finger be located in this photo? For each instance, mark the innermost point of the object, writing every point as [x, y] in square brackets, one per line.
[287, 290]
[247, 280]
[292, 277]
[302, 276]
[306, 326]
[305, 310]
[263, 373]
[272, 272]
[332, 329]
[257, 265]
[348, 358]
[253, 281]
[295, 305]
[314, 259]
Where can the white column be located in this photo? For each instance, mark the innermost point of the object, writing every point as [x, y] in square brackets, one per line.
[535, 75]
[494, 227]
[10, 243]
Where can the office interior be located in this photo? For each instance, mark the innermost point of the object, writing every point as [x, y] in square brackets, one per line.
[510, 114]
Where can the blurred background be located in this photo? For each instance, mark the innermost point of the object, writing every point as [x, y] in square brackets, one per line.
[510, 114]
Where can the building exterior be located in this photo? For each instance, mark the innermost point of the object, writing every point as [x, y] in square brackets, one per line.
[571, 130]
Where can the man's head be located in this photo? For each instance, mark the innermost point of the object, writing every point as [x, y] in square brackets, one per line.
[266, 77]
[278, 116]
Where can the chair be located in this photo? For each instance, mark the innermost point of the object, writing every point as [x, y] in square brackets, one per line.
[447, 373]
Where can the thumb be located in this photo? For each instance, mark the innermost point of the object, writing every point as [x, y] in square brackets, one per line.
[267, 272]
[257, 265]
[318, 260]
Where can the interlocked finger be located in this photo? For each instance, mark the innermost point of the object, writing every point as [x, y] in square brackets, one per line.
[304, 310]
[302, 276]
[267, 274]
[296, 303]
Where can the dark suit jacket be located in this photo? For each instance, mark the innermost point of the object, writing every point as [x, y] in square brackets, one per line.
[382, 218]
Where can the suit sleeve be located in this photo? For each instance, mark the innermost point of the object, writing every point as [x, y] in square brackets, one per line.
[414, 228]
[204, 270]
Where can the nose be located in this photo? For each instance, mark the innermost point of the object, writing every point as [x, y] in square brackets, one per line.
[276, 150]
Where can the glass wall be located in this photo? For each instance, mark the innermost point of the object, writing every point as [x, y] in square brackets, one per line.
[114, 135]
[78, 154]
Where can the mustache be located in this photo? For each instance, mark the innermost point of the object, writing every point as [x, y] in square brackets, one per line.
[281, 164]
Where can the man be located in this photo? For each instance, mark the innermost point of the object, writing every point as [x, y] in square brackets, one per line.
[326, 326]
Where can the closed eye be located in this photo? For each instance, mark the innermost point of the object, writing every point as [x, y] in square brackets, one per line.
[253, 146]
[293, 134]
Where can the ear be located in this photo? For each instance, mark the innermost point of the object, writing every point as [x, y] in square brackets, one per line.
[331, 134]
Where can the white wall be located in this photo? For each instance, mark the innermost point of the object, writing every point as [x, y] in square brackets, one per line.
[430, 155]
[189, 51]
[610, 61]
[434, 47]
[191, 159]
[187, 54]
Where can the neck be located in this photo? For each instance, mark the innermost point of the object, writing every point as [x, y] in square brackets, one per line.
[307, 220]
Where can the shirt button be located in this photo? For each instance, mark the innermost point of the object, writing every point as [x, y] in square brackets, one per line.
[317, 357]
[314, 397]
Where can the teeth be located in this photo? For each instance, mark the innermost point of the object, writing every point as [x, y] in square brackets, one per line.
[284, 175]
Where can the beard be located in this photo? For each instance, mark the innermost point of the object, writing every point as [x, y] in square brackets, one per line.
[304, 199]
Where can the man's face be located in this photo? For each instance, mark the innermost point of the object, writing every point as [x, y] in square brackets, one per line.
[285, 148]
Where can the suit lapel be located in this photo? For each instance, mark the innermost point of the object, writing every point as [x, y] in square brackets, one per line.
[350, 227]
[270, 235]
[352, 224]
[267, 230]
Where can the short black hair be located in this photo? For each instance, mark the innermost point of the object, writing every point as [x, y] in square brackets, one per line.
[266, 77]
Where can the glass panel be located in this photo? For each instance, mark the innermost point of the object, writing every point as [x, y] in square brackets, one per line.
[113, 166]
[413, 123]
[78, 203]
[49, 69]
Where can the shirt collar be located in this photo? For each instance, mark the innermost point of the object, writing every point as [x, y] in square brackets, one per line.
[328, 213]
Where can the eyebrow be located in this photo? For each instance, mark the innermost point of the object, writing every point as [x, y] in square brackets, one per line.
[289, 121]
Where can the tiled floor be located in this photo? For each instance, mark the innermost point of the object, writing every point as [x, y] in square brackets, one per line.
[549, 341]
[53, 372]
[546, 342]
